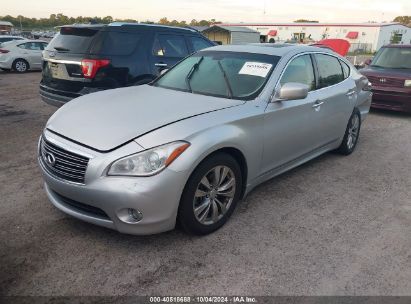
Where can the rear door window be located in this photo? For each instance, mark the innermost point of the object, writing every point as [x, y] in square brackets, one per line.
[73, 40]
[22, 46]
[329, 69]
[346, 69]
[170, 46]
[199, 43]
[115, 43]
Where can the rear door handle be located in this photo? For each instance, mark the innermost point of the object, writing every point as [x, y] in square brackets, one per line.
[318, 103]
[350, 93]
[161, 64]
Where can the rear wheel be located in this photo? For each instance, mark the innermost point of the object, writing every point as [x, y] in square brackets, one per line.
[352, 134]
[210, 195]
[20, 65]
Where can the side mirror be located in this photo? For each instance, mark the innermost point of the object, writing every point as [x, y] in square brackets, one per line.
[368, 61]
[292, 91]
[163, 71]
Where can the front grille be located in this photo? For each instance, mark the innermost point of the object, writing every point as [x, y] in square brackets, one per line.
[83, 208]
[62, 163]
[386, 82]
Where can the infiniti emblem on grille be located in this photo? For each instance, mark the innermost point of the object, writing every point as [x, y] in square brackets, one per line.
[383, 80]
[50, 159]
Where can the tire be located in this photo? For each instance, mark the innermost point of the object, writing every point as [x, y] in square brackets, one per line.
[20, 66]
[214, 205]
[352, 133]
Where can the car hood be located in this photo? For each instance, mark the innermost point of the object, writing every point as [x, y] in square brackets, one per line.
[105, 120]
[383, 72]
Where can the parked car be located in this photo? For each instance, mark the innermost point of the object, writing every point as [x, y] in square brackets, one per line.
[340, 46]
[6, 38]
[390, 75]
[21, 55]
[82, 59]
[195, 141]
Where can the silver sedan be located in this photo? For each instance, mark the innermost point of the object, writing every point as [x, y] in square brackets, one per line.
[190, 145]
[21, 55]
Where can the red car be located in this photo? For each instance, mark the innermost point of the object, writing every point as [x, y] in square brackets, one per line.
[340, 46]
[390, 75]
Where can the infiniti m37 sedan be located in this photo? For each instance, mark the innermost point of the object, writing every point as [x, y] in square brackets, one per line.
[188, 146]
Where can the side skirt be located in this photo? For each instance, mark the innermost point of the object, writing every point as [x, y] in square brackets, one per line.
[291, 164]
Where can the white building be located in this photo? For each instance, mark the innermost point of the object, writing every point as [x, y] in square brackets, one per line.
[364, 36]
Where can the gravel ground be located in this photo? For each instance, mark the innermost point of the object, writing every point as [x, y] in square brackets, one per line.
[334, 226]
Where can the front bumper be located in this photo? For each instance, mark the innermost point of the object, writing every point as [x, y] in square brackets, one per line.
[156, 197]
[391, 99]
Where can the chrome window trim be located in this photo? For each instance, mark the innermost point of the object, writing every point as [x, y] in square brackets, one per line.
[62, 61]
[276, 87]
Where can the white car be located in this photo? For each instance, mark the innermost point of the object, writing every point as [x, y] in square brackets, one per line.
[22, 55]
[6, 38]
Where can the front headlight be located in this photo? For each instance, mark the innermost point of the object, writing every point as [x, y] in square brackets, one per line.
[407, 83]
[148, 162]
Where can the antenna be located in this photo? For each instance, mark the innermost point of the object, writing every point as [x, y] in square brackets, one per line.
[265, 2]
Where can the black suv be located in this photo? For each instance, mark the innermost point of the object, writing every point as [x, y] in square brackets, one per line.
[82, 59]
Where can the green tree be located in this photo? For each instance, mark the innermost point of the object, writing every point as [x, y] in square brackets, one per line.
[305, 21]
[164, 20]
[406, 20]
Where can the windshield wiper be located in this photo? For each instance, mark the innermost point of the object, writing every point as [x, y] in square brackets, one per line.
[230, 91]
[62, 49]
[190, 74]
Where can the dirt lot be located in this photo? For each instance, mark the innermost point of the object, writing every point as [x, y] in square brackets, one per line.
[337, 225]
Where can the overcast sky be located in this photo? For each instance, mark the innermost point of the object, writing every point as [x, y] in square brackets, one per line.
[223, 10]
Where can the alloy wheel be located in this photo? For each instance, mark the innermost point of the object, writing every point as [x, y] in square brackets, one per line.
[214, 195]
[353, 131]
[21, 66]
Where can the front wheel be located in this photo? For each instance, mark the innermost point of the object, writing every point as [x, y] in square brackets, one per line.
[352, 134]
[210, 195]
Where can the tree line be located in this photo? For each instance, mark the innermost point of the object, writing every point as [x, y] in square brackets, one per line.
[406, 20]
[60, 19]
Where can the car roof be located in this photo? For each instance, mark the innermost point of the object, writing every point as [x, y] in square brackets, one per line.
[152, 26]
[23, 41]
[10, 36]
[275, 49]
[131, 25]
[405, 46]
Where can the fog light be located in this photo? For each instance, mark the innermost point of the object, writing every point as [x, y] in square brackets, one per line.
[130, 215]
[135, 214]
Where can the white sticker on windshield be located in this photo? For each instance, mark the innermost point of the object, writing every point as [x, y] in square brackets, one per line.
[256, 69]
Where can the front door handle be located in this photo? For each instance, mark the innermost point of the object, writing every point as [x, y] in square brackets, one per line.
[161, 64]
[318, 103]
[350, 93]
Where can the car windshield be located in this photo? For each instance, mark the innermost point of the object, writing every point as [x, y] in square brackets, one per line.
[393, 58]
[221, 74]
